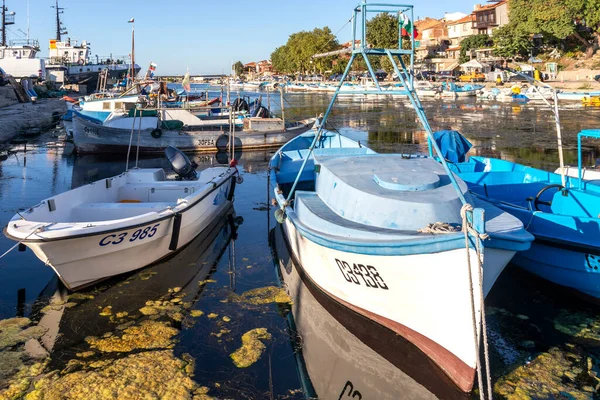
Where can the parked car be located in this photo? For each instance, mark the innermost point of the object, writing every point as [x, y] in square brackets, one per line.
[447, 76]
[597, 78]
[473, 76]
[3, 77]
[426, 75]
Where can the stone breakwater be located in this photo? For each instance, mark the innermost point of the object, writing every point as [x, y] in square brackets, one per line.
[18, 118]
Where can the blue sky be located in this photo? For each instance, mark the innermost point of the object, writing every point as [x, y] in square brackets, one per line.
[205, 35]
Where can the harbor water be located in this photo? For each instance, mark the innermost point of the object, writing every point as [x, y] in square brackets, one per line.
[229, 317]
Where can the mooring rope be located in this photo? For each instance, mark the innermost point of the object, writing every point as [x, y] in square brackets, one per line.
[36, 230]
[469, 230]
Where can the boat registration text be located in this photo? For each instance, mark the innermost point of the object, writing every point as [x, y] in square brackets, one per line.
[140, 234]
[369, 275]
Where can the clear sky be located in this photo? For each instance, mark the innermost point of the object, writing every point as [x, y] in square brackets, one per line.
[205, 35]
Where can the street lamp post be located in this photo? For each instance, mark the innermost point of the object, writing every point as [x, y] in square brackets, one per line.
[132, 22]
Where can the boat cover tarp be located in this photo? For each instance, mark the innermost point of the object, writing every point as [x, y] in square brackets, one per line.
[453, 145]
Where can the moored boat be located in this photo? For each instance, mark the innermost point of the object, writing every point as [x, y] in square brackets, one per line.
[156, 134]
[560, 211]
[140, 216]
[359, 230]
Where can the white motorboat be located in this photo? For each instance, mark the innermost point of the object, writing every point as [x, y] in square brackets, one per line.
[123, 223]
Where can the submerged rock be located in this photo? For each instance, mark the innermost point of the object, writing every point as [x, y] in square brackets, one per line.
[252, 347]
[578, 324]
[549, 375]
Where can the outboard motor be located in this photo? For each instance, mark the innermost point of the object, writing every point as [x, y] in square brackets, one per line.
[240, 105]
[262, 112]
[181, 164]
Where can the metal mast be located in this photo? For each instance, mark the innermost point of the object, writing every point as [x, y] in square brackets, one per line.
[59, 32]
[7, 19]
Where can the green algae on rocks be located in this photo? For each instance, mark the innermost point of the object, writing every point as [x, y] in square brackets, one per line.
[259, 296]
[578, 324]
[152, 374]
[146, 335]
[252, 347]
[550, 375]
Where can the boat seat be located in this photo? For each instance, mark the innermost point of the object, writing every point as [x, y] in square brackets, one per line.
[90, 212]
[148, 192]
[315, 214]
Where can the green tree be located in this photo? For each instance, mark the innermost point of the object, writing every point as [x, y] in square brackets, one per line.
[238, 68]
[561, 19]
[296, 54]
[511, 43]
[470, 43]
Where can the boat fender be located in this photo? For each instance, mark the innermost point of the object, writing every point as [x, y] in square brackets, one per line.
[239, 180]
[280, 216]
[175, 233]
[157, 133]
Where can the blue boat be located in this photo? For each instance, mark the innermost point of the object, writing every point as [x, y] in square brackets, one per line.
[563, 217]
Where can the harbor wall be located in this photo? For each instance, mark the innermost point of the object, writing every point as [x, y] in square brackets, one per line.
[18, 118]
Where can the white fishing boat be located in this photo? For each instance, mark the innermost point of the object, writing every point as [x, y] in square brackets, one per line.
[359, 229]
[123, 223]
[396, 239]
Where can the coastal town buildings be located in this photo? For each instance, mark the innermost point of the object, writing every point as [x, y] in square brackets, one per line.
[491, 16]
[439, 41]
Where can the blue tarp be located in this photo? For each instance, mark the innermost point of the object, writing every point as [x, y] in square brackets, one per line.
[453, 145]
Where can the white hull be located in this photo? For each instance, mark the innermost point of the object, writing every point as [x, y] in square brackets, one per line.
[427, 300]
[113, 247]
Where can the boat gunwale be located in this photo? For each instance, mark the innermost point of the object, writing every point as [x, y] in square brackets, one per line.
[111, 230]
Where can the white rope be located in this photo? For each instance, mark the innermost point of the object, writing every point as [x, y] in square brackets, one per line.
[439, 227]
[36, 230]
[130, 139]
[469, 230]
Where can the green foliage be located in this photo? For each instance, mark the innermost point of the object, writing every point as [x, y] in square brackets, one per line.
[296, 54]
[511, 43]
[559, 19]
[470, 43]
[238, 68]
[382, 31]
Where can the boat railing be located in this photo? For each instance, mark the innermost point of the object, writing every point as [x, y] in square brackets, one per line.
[25, 42]
[535, 84]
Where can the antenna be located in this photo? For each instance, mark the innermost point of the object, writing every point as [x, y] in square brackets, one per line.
[60, 29]
[7, 19]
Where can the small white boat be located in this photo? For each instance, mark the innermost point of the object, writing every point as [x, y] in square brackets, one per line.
[123, 223]
[575, 96]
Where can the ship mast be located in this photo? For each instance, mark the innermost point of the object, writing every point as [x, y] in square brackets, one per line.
[59, 31]
[7, 19]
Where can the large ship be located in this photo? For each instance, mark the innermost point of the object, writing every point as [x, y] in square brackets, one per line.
[69, 61]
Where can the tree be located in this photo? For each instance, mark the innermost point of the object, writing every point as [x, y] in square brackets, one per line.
[561, 19]
[296, 54]
[382, 33]
[470, 43]
[238, 68]
[511, 43]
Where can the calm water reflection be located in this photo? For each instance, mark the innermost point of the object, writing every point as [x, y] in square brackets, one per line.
[310, 353]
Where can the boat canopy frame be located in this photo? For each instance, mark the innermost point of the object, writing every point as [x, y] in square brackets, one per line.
[405, 73]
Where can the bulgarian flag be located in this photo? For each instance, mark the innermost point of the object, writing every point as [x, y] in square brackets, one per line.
[407, 27]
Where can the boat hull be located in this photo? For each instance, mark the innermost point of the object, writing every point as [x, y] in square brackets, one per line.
[81, 261]
[345, 353]
[93, 138]
[420, 297]
[571, 269]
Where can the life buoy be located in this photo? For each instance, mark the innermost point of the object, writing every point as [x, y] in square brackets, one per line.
[156, 133]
